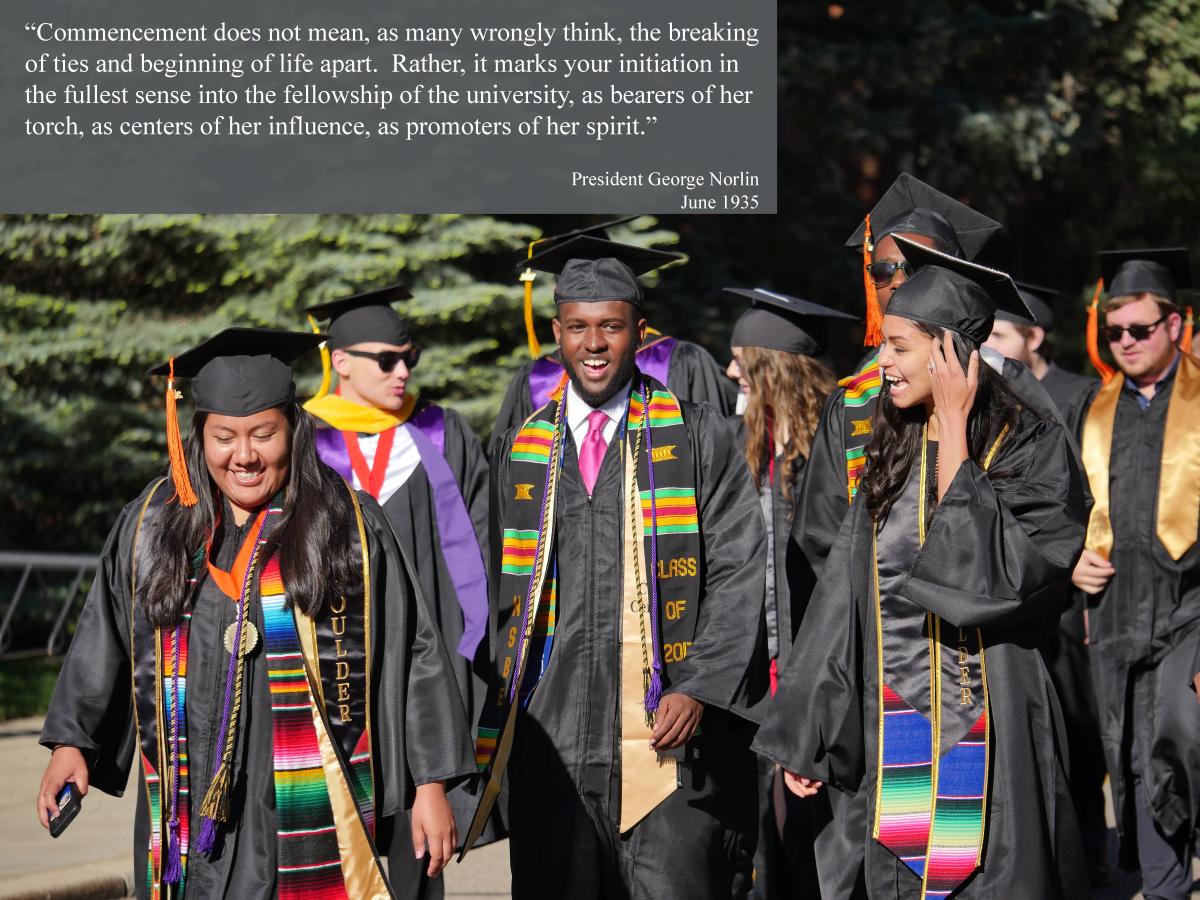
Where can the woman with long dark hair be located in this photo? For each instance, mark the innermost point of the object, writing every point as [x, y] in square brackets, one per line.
[916, 677]
[776, 344]
[254, 633]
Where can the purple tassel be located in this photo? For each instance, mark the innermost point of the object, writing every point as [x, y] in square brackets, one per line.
[207, 836]
[174, 868]
[654, 691]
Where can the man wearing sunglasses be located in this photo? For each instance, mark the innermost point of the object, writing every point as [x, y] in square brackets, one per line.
[427, 470]
[1140, 566]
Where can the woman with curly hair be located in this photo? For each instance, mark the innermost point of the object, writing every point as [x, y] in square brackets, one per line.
[916, 678]
[775, 344]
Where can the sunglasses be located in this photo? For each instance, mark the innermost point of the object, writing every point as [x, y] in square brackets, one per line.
[389, 359]
[882, 273]
[1114, 333]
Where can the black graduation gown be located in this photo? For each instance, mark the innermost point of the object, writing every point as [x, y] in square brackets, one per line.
[693, 375]
[1145, 637]
[411, 513]
[419, 729]
[995, 555]
[1066, 654]
[564, 776]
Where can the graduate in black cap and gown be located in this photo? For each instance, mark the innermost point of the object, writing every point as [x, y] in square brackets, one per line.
[1065, 648]
[629, 554]
[1141, 567]
[915, 679]
[686, 368]
[425, 467]
[776, 347]
[253, 642]
[921, 213]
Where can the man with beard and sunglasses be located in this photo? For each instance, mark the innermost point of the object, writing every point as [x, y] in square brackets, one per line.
[628, 554]
[426, 468]
[1140, 566]
[913, 210]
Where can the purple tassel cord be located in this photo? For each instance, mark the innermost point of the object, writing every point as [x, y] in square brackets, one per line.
[173, 870]
[655, 688]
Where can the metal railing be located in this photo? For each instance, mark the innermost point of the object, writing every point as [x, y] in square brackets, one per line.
[34, 567]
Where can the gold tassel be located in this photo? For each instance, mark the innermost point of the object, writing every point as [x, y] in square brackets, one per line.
[1185, 343]
[535, 347]
[326, 363]
[216, 798]
[1105, 371]
[179, 469]
[873, 336]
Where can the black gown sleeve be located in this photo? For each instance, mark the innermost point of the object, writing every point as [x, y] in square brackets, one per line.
[823, 495]
[698, 378]
[516, 406]
[420, 726]
[92, 706]
[814, 723]
[1000, 548]
[726, 665]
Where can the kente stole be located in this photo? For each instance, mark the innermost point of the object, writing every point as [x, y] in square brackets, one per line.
[664, 497]
[653, 360]
[1178, 505]
[319, 676]
[858, 409]
[934, 746]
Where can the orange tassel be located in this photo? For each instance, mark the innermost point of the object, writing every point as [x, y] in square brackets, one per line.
[874, 333]
[535, 347]
[1105, 371]
[179, 470]
[1185, 343]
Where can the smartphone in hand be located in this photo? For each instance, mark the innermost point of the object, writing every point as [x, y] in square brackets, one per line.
[69, 802]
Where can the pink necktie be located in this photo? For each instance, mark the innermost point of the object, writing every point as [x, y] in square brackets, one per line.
[591, 453]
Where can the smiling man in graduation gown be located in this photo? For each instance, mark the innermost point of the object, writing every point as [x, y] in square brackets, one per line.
[629, 551]
[1141, 568]
[254, 642]
[424, 466]
[687, 369]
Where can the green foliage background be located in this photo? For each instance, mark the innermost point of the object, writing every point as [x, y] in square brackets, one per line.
[1075, 122]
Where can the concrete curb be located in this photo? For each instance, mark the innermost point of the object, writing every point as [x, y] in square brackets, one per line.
[88, 881]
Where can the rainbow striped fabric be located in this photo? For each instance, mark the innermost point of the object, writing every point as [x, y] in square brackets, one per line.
[663, 411]
[309, 862]
[956, 841]
[675, 509]
[485, 746]
[905, 782]
[518, 551]
[861, 389]
[154, 799]
[533, 442]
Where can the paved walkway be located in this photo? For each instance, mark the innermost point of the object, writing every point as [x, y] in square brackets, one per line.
[91, 861]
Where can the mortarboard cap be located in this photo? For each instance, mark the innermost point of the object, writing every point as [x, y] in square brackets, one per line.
[363, 318]
[910, 206]
[1040, 301]
[953, 293]
[237, 372]
[780, 322]
[1160, 271]
[241, 371]
[593, 269]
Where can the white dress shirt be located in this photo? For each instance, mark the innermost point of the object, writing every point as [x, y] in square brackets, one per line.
[578, 411]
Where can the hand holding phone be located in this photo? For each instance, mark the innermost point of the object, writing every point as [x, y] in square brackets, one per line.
[69, 803]
[67, 767]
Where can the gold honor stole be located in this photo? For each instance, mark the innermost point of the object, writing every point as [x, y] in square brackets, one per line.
[1178, 502]
[326, 665]
[930, 805]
